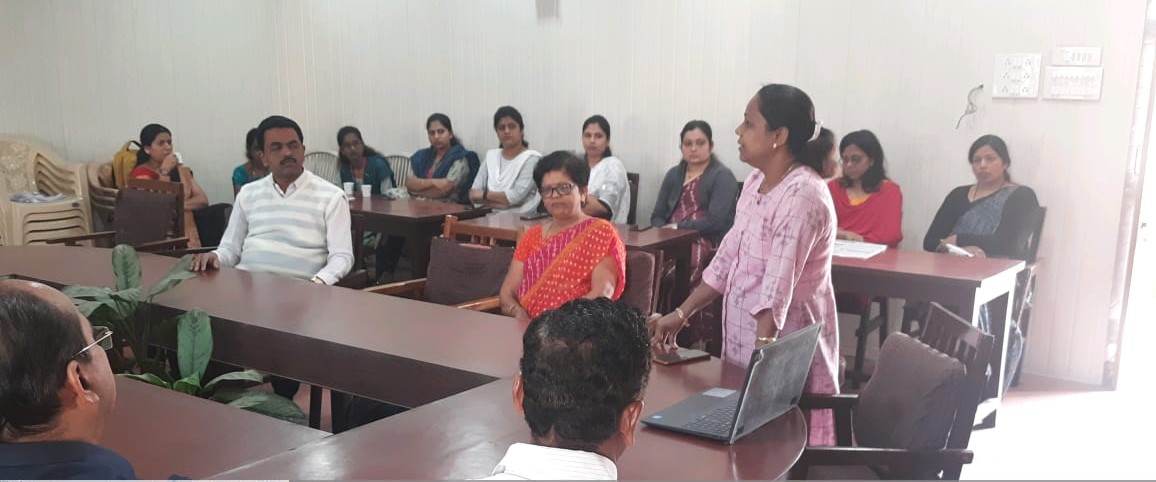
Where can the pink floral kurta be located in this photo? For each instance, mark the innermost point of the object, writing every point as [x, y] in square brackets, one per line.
[778, 257]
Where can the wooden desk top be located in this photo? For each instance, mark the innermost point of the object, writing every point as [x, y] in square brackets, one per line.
[909, 263]
[427, 341]
[464, 436]
[407, 209]
[653, 238]
[162, 433]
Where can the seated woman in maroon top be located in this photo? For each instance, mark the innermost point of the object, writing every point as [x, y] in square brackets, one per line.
[868, 204]
[157, 161]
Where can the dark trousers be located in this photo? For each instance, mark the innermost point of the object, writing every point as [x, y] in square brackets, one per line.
[387, 254]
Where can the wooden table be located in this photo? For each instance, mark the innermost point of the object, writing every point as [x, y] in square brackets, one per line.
[162, 433]
[391, 349]
[663, 243]
[416, 221]
[464, 436]
[953, 281]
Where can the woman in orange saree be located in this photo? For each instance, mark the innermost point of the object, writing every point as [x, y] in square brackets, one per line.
[571, 256]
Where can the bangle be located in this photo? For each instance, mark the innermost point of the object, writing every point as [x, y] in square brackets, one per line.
[765, 340]
[681, 316]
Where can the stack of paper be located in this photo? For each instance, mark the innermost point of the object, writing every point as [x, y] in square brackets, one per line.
[856, 249]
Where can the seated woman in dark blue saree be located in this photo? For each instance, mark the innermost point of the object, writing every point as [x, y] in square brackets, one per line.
[445, 170]
[361, 164]
[991, 218]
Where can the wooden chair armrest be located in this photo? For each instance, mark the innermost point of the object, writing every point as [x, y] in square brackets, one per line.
[355, 280]
[485, 304]
[835, 402]
[178, 253]
[875, 456]
[413, 287]
[74, 240]
[163, 245]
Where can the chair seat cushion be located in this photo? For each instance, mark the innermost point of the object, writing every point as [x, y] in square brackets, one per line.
[461, 272]
[911, 400]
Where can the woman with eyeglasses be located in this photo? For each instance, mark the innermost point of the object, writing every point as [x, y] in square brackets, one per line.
[868, 205]
[571, 256]
[505, 180]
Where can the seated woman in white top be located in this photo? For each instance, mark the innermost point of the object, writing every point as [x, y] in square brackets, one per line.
[609, 195]
[505, 180]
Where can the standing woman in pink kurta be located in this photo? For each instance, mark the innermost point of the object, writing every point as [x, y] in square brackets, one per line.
[773, 268]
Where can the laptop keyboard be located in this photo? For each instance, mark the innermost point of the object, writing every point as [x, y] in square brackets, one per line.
[718, 421]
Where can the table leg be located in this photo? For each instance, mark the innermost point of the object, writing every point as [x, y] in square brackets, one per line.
[999, 309]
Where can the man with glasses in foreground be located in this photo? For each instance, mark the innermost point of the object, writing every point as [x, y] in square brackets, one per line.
[56, 388]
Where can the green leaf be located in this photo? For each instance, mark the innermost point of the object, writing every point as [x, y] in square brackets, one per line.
[147, 378]
[266, 403]
[194, 342]
[175, 276]
[126, 267]
[77, 291]
[249, 377]
[88, 307]
[190, 384]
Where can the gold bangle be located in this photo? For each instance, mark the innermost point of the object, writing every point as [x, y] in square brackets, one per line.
[765, 340]
[682, 316]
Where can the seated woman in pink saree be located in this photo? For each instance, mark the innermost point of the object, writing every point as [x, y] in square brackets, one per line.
[571, 256]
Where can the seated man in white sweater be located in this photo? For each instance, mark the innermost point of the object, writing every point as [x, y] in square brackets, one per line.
[584, 368]
[290, 223]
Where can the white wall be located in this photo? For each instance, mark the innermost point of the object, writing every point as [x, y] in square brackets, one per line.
[86, 75]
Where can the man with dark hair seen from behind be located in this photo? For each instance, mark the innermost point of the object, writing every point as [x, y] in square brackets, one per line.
[56, 389]
[584, 370]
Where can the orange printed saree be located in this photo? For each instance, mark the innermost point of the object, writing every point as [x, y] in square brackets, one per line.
[560, 268]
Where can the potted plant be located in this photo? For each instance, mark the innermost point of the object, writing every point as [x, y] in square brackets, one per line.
[128, 311]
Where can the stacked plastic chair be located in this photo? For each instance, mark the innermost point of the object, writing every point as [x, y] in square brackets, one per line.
[28, 166]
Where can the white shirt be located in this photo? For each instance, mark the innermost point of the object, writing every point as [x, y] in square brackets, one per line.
[609, 184]
[536, 462]
[312, 229]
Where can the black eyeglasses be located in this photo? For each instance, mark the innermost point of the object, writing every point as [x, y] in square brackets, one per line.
[557, 190]
[103, 337]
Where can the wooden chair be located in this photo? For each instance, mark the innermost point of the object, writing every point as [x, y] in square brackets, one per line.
[481, 255]
[918, 388]
[186, 226]
[142, 219]
[632, 178]
[641, 281]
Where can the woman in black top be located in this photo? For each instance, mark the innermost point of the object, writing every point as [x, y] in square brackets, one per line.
[993, 217]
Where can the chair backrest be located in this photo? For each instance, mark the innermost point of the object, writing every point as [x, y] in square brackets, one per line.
[142, 216]
[1037, 234]
[401, 167]
[101, 189]
[323, 164]
[947, 332]
[172, 195]
[17, 172]
[640, 287]
[480, 235]
[632, 178]
[462, 272]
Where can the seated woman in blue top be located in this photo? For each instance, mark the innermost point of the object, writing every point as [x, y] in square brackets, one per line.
[254, 168]
[361, 164]
[445, 170]
[56, 389]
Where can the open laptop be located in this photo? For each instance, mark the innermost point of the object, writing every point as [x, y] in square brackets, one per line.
[774, 383]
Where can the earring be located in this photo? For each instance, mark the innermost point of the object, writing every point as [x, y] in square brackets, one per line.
[775, 145]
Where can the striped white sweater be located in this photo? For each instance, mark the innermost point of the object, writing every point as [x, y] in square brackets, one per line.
[288, 234]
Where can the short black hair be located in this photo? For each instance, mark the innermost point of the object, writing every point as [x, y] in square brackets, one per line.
[582, 365]
[787, 106]
[509, 111]
[701, 125]
[37, 340]
[866, 140]
[566, 162]
[997, 144]
[277, 122]
[602, 124]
